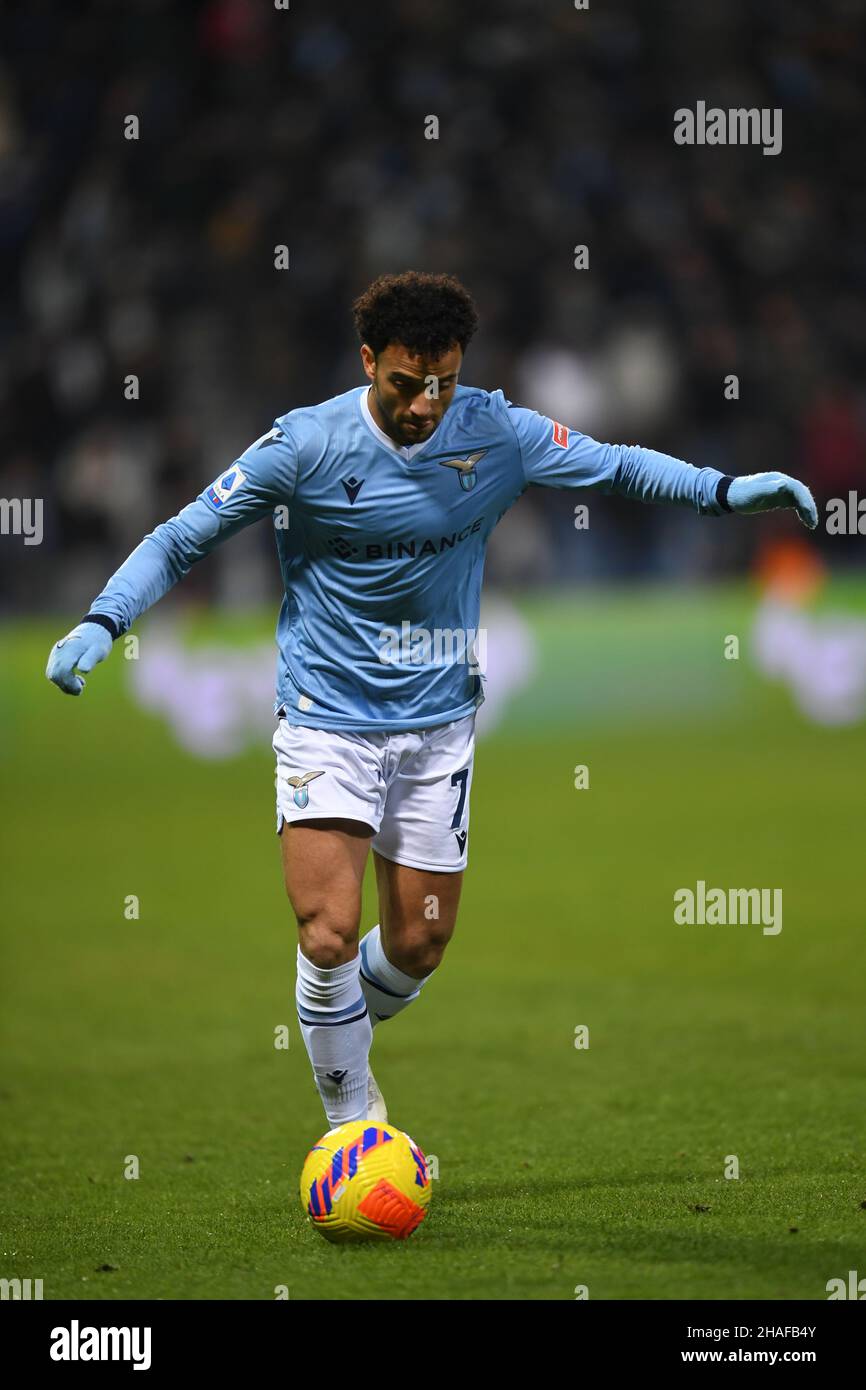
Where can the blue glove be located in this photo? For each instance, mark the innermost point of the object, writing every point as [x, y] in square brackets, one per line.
[84, 647]
[762, 492]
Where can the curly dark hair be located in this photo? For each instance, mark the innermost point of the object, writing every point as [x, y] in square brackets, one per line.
[426, 313]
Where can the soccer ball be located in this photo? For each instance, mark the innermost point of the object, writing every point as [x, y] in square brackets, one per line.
[365, 1181]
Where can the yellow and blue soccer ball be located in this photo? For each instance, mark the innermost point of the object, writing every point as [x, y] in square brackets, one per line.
[365, 1181]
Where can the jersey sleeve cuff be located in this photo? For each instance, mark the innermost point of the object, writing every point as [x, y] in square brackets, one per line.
[108, 623]
[722, 492]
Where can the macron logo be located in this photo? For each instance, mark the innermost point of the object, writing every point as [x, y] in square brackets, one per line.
[76, 1343]
[353, 486]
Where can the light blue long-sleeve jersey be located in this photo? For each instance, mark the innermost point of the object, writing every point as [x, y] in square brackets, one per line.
[372, 538]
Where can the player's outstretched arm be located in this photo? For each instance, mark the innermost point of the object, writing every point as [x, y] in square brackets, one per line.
[261, 479]
[554, 456]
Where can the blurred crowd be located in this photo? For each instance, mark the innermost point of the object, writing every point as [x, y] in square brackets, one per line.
[305, 126]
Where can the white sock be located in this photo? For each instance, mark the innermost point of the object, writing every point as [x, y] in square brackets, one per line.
[387, 990]
[337, 1032]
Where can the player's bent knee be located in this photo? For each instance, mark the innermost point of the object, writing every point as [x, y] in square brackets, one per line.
[417, 958]
[326, 939]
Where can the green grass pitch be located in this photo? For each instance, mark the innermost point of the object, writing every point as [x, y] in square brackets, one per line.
[558, 1166]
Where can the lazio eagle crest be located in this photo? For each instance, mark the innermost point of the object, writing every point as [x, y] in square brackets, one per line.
[465, 469]
[301, 794]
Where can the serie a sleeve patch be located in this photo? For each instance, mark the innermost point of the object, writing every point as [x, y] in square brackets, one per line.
[221, 490]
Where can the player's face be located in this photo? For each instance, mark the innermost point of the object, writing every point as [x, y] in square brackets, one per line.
[410, 393]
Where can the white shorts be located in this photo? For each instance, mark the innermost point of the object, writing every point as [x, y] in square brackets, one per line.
[411, 788]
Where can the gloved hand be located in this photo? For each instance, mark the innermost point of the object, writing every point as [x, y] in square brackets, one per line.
[84, 647]
[763, 492]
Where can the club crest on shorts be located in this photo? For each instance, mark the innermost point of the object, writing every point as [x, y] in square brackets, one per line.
[301, 794]
[465, 469]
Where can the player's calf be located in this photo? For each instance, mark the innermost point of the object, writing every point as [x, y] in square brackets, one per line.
[324, 869]
[419, 913]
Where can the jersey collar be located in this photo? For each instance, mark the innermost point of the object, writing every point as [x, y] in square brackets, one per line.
[407, 451]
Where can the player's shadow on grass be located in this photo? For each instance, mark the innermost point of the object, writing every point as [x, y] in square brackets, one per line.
[557, 1187]
[704, 1241]
[697, 1186]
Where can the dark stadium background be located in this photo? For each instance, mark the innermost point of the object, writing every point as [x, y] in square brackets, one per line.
[151, 1036]
[306, 128]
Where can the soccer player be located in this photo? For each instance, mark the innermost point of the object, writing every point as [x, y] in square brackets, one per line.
[392, 491]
